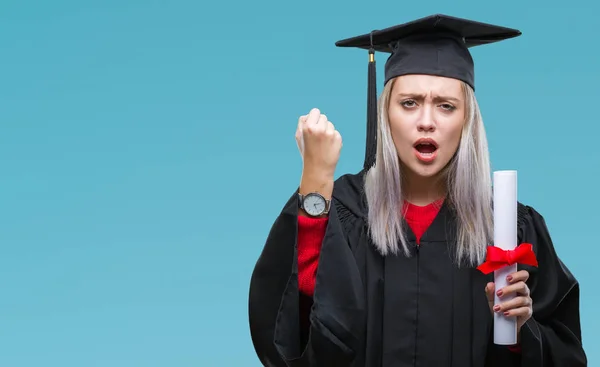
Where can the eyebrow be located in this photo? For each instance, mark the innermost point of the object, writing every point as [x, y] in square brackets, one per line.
[436, 98]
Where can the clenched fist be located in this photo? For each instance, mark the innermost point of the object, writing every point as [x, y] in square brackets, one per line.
[319, 144]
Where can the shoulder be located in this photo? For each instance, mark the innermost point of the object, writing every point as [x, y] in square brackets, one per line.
[349, 199]
[525, 215]
[349, 187]
[530, 222]
[348, 192]
[532, 229]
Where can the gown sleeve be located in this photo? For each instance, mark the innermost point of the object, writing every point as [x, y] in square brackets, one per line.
[337, 315]
[552, 336]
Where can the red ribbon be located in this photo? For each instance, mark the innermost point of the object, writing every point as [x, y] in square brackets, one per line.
[498, 258]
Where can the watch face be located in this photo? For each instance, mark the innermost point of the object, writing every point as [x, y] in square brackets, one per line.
[314, 204]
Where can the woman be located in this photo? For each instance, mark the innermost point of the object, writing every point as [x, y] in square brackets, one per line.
[382, 267]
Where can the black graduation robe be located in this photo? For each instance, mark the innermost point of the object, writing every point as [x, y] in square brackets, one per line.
[371, 311]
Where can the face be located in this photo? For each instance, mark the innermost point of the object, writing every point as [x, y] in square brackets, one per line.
[426, 116]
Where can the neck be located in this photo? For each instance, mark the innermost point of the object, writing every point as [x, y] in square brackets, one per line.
[423, 191]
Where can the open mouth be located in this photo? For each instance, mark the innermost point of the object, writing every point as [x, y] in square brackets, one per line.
[426, 149]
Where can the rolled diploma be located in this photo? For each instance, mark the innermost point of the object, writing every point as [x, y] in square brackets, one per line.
[505, 237]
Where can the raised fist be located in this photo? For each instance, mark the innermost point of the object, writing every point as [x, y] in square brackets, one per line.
[319, 144]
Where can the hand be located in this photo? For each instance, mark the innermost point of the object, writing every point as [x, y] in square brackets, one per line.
[520, 306]
[319, 144]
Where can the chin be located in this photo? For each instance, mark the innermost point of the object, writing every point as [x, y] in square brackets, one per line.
[423, 170]
[426, 172]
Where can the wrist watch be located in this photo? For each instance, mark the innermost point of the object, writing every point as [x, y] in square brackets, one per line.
[314, 204]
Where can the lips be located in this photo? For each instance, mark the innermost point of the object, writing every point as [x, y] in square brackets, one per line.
[426, 149]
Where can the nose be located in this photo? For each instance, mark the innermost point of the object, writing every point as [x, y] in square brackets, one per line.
[426, 122]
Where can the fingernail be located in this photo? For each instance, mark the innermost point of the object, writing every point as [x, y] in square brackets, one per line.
[506, 313]
[499, 293]
[496, 308]
[509, 278]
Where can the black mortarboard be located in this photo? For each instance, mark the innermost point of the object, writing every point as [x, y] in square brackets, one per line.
[435, 45]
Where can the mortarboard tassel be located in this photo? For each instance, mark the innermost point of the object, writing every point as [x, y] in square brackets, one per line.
[371, 146]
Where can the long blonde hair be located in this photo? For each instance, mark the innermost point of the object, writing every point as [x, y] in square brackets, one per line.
[468, 183]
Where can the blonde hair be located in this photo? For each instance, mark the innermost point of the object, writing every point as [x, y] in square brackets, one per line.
[468, 183]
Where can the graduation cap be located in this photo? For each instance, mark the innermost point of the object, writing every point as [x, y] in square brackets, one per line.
[433, 45]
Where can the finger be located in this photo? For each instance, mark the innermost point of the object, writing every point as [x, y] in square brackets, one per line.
[512, 304]
[302, 126]
[313, 117]
[338, 137]
[299, 132]
[525, 312]
[301, 122]
[330, 127]
[322, 123]
[489, 291]
[519, 276]
[520, 288]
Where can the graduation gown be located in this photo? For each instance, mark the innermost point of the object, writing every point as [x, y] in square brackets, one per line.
[374, 311]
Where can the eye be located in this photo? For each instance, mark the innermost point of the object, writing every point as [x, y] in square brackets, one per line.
[448, 107]
[409, 103]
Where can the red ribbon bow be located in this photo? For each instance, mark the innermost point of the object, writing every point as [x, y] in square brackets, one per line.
[498, 258]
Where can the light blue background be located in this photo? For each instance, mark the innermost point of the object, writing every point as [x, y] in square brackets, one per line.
[147, 146]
